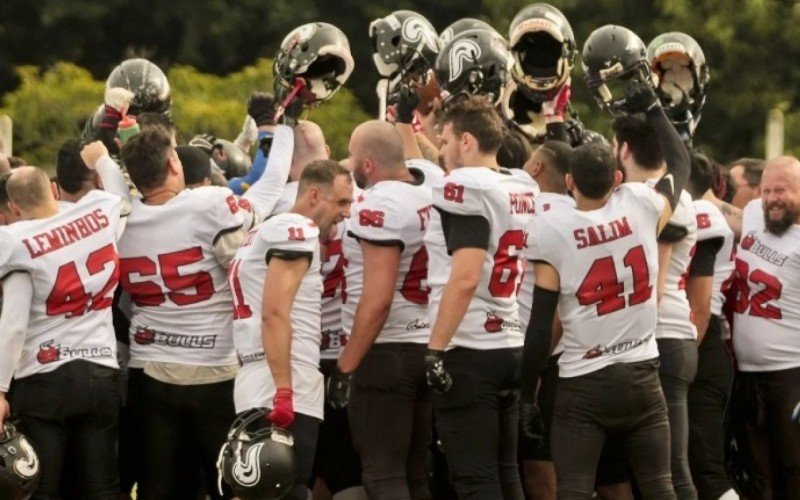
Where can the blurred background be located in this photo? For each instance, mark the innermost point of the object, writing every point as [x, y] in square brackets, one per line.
[56, 54]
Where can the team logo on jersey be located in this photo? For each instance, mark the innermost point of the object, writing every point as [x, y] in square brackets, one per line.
[148, 336]
[247, 472]
[752, 244]
[332, 339]
[494, 323]
[416, 30]
[50, 353]
[417, 324]
[462, 51]
[601, 350]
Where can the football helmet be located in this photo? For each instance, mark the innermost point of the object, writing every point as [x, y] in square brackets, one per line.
[19, 464]
[257, 461]
[526, 113]
[319, 53]
[230, 159]
[460, 26]
[405, 44]
[147, 82]
[680, 73]
[474, 62]
[579, 134]
[543, 45]
[613, 56]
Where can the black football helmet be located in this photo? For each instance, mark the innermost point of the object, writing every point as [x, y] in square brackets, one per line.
[474, 62]
[320, 54]
[541, 40]
[680, 73]
[230, 159]
[147, 82]
[405, 44]
[257, 461]
[579, 134]
[613, 56]
[460, 26]
[19, 465]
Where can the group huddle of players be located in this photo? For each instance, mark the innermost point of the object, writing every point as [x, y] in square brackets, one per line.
[483, 283]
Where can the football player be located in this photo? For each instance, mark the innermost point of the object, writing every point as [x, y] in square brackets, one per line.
[548, 166]
[386, 317]
[174, 254]
[597, 264]
[277, 291]
[474, 243]
[58, 341]
[765, 331]
[710, 390]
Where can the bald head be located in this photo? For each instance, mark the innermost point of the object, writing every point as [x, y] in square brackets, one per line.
[787, 165]
[379, 141]
[309, 145]
[29, 188]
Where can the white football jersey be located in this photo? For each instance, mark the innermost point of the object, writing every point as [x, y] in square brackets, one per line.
[766, 323]
[392, 213]
[287, 199]
[432, 171]
[711, 224]
[674, 312]
[334, 294]
[288, 234]
[607, 261]
[181, 303]
[544, 202]
[506, 201]
[74, 267]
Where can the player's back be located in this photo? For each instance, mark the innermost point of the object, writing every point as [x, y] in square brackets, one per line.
[73, 263]
[506, 201]
[180, 299]
[607, 260]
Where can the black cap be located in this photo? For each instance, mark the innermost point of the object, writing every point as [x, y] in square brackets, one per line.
[196, 164]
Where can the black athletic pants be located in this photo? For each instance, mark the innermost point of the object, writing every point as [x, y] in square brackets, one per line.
[477, 422]
[624, 400]
[72, 411]
[772, 438]
[390, 417]
[678, 360]
[182, 428]
[708, 397]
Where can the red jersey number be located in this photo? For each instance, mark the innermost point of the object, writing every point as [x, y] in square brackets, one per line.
[507, 265]
[602, 286]
[334, 278]
[69, 297]
[414, 290]
[184, 289]
[758, 303]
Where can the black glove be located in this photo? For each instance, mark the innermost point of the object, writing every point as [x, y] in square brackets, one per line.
[438, 378]
[338, 388]
[640, 97]
[532, 423]
[409, 100]
[204, 142]
[261, 106]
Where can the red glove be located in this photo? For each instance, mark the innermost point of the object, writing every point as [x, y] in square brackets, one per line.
[282, 414]
[558, 100]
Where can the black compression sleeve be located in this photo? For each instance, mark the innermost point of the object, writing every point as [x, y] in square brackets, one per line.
[464, 231]
[705, 254]
[538, 337]
[675, 154]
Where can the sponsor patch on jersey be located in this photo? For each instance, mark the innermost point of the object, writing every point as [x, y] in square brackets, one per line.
[149, 336]
[50, 352]
[752, 244]
[613, 350]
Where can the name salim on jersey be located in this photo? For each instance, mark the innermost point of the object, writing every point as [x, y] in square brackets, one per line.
[66, 234]
[602, 233]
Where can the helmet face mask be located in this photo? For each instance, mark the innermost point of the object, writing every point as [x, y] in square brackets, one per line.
[544, 48]
[613, 58]
[257, 461]
[681, 75]
[474, 62]
[19, 464]
[320, 54]
[147, 82]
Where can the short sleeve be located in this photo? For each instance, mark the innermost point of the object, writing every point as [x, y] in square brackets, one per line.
[376, 219]
[230, 212]
[459, 194]
[6, 250]
[710, 221]
[646, 197]
[542, 244]
[290, 234]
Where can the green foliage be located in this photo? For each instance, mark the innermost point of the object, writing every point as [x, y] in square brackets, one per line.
[51, 106]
